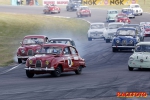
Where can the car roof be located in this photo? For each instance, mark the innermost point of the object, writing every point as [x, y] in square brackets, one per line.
[115, 23]
[126, 8]
[57, 45]
[128, 28]
[61, 39]
[112, 10]
[143, 43]
[43, 36]
[130, 24]
[97, 23]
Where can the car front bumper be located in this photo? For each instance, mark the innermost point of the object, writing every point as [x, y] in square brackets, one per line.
[40, 69]
[123, 47]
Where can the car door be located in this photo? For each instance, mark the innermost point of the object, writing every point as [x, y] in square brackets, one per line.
[75, 58]
[67, 59]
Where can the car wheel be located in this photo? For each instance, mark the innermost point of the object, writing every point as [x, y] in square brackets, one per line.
[141, 14]
[29, 74]
[57, 72]
[107, 40]
[114, 49]
[130, 68]
[79, 70]
[19, 61]
[89, 39]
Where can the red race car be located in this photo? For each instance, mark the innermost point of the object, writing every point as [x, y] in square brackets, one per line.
[29, 46]
[123, 18]
[55, 59]
[49, 9]
[83, 11]
[146, 30]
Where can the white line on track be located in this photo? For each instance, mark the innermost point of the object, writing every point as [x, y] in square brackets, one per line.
[8, 70]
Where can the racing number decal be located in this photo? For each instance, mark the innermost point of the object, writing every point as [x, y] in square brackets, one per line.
[70, 63]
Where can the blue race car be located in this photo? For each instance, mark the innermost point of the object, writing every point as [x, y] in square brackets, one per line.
[129, 12]
[125, 39]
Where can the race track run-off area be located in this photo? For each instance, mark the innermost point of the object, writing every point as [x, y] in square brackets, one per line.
[106, 72]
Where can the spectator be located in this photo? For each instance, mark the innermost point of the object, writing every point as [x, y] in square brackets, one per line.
[18, 2]
[36, 2]
[21, 2]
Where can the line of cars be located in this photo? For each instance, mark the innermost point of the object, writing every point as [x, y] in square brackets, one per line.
[52, 56]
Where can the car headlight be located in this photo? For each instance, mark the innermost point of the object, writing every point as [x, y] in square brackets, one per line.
[22, 51]
[131, 41]
[131, 58]
[117, 41]
[46, 62]
[30, 62]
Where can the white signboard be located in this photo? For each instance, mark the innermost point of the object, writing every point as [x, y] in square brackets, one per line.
[56, 2]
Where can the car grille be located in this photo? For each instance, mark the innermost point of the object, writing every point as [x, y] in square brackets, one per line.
[136, 10]
[124, 42]
[30, 52]
[38, 64]
[96, 32]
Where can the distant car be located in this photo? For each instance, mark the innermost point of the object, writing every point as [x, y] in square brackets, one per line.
[111, 30]
[129, 12]
[49, 9]
[72, 6]
[83, 11]
[136, 8]
[146, 30]
[67, 41]
[140, 57]
[96, 31]
[55, 59]
[123, 18]
[140, 32]
[111, 15]
[125, 39]
[29, 46]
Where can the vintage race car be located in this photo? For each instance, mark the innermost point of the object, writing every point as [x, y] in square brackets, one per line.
[49, 9]
[72, 6]
[67, 41]
[146, 28]
[111, 30]
[140, 32]
[136, 8]
[111, 15]
[142, 25]
[83, 11]
[140, 57]
[129, 12]
[126, 38]
[29, 46]
[55, 59]
[123, 18]
[96, 31]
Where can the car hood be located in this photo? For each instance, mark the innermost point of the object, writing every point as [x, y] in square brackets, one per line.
[141, 55]
[30, 46]
[124, 37]
[136, 8]
[122, 18]
[112, 15]
[98, 30]
[111, 30]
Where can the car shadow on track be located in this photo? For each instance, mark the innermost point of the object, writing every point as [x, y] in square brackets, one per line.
[123, 51]
[141, 69]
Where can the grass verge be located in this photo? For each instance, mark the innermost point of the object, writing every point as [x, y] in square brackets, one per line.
[13, 27]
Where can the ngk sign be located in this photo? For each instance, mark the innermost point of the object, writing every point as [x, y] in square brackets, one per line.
[56, 2]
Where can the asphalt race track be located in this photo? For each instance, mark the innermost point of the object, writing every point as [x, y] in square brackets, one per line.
[105, 75]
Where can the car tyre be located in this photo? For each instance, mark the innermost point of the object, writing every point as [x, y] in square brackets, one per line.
[141, 14]
[114, 49]
[29, 74]
[79, 70]
[130, 68]
[19, 61]
[57, 72]
[89, 39]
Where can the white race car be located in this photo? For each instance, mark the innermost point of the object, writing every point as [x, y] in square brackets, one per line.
[137, 10]
[96, 31]
[142, 25]
[111, 30]
[141, 56]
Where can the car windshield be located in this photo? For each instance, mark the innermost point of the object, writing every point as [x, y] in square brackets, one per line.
[146, 27]
[135, 6]
[61, 42]
[84, 8]
[50, 50]
[115, 26]
[28, 41]
[122, 16]
[97, 26]
[133, 26]
[126, 32]
[77, 5]
[126, 10]
[113, 12]
[142, 48]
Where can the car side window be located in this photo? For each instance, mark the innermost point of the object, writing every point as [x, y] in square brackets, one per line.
[66, 51]
[73, 51]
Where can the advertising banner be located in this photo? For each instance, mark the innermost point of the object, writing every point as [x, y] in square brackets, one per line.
[56, 2]
[109, 2]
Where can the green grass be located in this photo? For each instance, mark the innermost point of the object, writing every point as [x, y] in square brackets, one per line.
[145, 7]
[13, 27]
